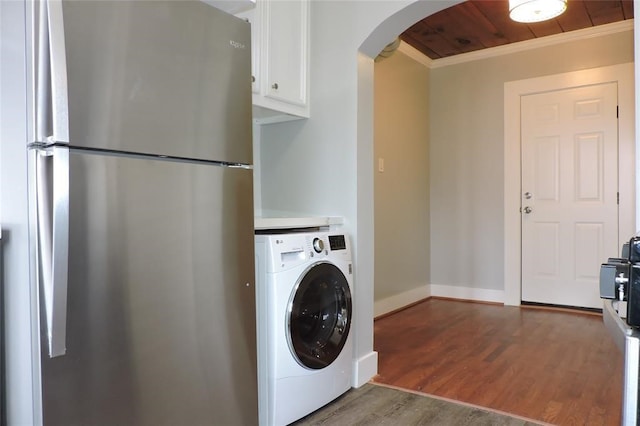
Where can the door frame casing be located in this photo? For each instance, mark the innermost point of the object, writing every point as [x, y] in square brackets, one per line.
[623, 74]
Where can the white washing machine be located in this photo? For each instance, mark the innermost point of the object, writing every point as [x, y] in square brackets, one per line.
[304, 310]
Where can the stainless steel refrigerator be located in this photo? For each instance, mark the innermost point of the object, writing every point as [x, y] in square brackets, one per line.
[142, 214]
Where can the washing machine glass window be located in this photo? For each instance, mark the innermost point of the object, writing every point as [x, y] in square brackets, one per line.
[319, 316]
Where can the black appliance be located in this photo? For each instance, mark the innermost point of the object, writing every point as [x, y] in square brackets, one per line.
[620, 280]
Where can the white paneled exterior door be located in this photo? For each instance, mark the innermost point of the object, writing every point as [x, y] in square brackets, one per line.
[569, 193]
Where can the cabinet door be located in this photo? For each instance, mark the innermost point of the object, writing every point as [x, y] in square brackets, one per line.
[287, 36]
[254, 17]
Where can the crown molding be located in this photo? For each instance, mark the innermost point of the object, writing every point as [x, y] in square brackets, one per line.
[415, 54]
[597, 31]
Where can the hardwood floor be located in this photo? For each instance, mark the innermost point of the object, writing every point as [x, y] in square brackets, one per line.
[557, 367]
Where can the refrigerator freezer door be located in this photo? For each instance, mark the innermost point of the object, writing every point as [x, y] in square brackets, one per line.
[160, 77]
[160, 297]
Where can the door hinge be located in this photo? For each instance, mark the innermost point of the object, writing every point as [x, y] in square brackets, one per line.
[617, 111]
[618, 198]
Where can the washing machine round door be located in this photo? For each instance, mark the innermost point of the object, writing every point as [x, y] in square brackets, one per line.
[319, 316]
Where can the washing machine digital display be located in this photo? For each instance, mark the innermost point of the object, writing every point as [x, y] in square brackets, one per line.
[337, 242]
[319, 316]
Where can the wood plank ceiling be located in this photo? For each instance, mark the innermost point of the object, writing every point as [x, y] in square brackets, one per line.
[481, 24]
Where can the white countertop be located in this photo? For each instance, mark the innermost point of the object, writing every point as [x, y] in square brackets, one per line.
[296, 222]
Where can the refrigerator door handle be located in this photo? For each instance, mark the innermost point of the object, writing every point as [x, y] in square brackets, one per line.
[53, 241]
[51, 99]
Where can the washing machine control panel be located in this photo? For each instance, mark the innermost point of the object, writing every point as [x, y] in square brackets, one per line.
[288, 251]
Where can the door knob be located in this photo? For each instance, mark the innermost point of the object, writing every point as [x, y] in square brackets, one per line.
[527, 210]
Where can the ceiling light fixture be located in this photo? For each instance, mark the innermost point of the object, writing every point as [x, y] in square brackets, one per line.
[535, 10]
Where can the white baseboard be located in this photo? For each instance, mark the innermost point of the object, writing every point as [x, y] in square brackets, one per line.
[389, 304]
[467, 293]
[364, 368]
[398, 301]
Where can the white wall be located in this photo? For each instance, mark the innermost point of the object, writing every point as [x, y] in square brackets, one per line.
[401, 189]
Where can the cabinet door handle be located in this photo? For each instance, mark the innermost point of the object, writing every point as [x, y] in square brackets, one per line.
[274, 86]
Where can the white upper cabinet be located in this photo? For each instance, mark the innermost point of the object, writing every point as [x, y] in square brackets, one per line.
[286, 50]
[280, 59]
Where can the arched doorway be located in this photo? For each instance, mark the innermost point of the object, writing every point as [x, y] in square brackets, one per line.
[387, 30]
[366, 160]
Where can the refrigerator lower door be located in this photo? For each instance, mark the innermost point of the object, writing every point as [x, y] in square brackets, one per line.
[160, 323]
